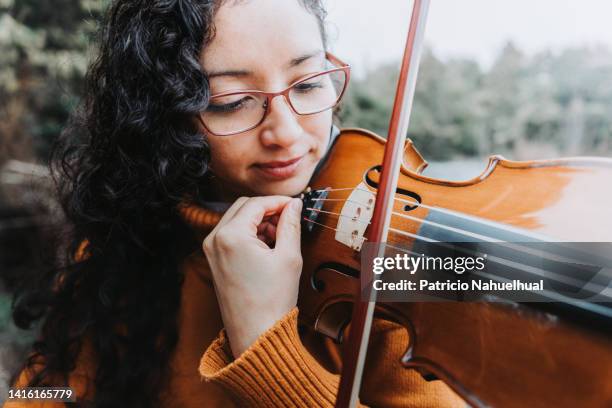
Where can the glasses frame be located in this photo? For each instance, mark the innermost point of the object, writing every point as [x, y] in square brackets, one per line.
[340, 66]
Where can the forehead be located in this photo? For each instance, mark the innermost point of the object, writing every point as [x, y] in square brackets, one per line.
[256, 34]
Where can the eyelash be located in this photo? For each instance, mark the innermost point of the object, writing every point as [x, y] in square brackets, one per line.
[228, 107]
[309, 86]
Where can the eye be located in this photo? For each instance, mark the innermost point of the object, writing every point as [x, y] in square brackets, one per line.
[309, 85]
[234, 106]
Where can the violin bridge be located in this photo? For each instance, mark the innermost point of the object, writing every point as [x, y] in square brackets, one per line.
[355, 217]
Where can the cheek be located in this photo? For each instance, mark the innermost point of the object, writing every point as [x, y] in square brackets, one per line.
[229, 157]
[319, 127]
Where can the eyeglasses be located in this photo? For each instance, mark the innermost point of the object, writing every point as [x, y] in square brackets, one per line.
[232, 112]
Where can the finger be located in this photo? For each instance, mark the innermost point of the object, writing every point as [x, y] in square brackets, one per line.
[265, 226]
[229, 214]
[251, 214]
[271, 219]
[268, 226]
[271, 231]
[267, 229]
[274, 219]
[289, 228]
[266, 240]
[261, 227]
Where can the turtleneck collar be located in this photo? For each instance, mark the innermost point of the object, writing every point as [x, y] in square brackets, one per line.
[202, 218]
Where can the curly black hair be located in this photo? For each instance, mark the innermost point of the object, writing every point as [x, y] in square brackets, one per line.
[130, 154]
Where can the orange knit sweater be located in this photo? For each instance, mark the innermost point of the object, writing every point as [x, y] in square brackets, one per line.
[283, 368]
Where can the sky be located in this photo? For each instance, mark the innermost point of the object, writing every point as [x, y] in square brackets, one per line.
[366, 35]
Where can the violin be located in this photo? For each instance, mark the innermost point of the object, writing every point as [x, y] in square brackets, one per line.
[492, 354]
[503, 353]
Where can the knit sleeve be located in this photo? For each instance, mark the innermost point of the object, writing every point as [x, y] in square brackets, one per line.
[276, 371]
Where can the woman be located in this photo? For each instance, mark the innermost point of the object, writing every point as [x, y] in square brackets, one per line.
[142, 305]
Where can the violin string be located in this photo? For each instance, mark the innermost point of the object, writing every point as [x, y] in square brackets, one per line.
[560, 278]
[437, 209]
[445, 211]
[549, 274]
[447, 227]
[395, 199]
[402, 200]
[394, 230]
[329, 228]
[457, 230]
[435, 224]
[348, 200]
[319, 224]
[337, 215]
[528, 250]
[407, 251]
[333, 189]
[410, 234]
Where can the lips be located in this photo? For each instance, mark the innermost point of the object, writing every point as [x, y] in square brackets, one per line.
[279, 170]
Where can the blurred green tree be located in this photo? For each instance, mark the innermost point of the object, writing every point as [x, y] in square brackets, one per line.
[45, 47]
[525, 107]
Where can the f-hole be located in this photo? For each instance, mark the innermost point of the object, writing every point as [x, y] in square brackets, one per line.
[414, 196]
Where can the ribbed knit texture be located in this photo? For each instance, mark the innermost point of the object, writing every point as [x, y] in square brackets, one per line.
[275, 371]
[198, 217]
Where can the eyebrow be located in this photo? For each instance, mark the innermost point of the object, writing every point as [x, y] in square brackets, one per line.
[244, 73]
[297, 61]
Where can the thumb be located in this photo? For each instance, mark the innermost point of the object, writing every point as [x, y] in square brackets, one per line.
[289, 228]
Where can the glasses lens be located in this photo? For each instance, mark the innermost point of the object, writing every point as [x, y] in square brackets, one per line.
[234, 113]
[318, 93]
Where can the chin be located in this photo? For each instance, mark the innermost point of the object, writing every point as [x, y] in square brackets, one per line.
[285, 189]
[291, 187]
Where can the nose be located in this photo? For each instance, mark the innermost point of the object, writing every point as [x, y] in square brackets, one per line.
[281, 127]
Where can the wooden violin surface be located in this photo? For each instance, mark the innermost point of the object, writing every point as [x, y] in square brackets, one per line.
[493, 354]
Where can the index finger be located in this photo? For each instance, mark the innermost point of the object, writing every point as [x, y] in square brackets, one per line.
[254, 210]
[229, 214]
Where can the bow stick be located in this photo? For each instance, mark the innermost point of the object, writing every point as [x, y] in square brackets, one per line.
[361, 321]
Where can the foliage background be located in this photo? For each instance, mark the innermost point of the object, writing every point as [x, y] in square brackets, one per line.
[524, 107]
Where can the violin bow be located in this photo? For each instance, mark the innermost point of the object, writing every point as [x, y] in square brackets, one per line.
[355, 350]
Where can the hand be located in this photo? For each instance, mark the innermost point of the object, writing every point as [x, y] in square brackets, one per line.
[255, 258]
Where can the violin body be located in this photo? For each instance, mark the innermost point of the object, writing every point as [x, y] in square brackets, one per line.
[492, 354]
